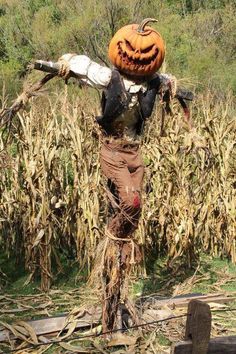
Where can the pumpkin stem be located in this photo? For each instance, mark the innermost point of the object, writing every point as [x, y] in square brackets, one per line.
[142, 25]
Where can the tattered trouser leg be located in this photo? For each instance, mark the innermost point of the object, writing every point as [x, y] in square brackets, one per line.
[122, 165]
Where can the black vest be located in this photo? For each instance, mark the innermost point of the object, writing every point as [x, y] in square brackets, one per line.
[115, 100]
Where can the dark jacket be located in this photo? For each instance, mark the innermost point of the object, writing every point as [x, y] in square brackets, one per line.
[115, 101]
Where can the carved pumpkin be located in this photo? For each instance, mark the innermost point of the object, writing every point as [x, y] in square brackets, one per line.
[137, 50]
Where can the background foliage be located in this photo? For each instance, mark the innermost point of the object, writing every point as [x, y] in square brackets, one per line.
[199, 35]
[52, 197]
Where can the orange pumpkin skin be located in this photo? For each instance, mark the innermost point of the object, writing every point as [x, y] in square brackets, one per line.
[137, 50]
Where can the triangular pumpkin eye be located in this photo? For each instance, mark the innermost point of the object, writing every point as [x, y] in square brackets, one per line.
[128, 44]
[148, 49]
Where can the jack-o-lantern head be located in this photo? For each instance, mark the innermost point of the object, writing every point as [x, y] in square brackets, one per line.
[137, 50]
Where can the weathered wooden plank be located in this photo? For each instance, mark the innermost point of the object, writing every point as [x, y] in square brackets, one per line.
[183, 301]
[220, 345]
[56, 324]
[183, 296]
[219, 300]
[198, 326]
[182, 348]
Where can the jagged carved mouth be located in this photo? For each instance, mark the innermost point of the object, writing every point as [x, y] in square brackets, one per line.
[130, 55]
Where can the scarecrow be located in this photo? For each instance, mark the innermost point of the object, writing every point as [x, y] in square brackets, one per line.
[130, 90]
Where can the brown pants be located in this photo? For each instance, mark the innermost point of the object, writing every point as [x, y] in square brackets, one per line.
[123, 166]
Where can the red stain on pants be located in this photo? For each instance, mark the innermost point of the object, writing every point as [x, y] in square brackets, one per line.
[137, 201]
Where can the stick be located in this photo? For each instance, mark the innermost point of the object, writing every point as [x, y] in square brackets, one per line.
[7, 114]
[49, 67]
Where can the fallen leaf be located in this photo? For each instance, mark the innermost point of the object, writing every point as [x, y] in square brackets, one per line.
[122, 339]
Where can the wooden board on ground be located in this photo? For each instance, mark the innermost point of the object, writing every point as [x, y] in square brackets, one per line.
[183, 300]
[219, 345]
[56, 324]
[92, 317]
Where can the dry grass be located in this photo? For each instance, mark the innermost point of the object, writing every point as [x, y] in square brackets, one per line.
[52, 194]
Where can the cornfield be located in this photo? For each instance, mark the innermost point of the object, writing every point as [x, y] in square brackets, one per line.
[53, 196]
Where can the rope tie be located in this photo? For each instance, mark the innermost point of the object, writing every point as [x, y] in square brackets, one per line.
[112, 237]
[64, 68]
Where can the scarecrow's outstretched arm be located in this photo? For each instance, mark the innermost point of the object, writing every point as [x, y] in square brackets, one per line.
[80, 67]
[7, 114]
[169, 89]
[69, 65]
[187, 117]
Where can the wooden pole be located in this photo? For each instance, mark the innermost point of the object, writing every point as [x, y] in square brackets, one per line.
[198, 326]
[198, 329]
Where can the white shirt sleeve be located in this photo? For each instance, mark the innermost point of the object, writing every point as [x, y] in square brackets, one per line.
[88, 71]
